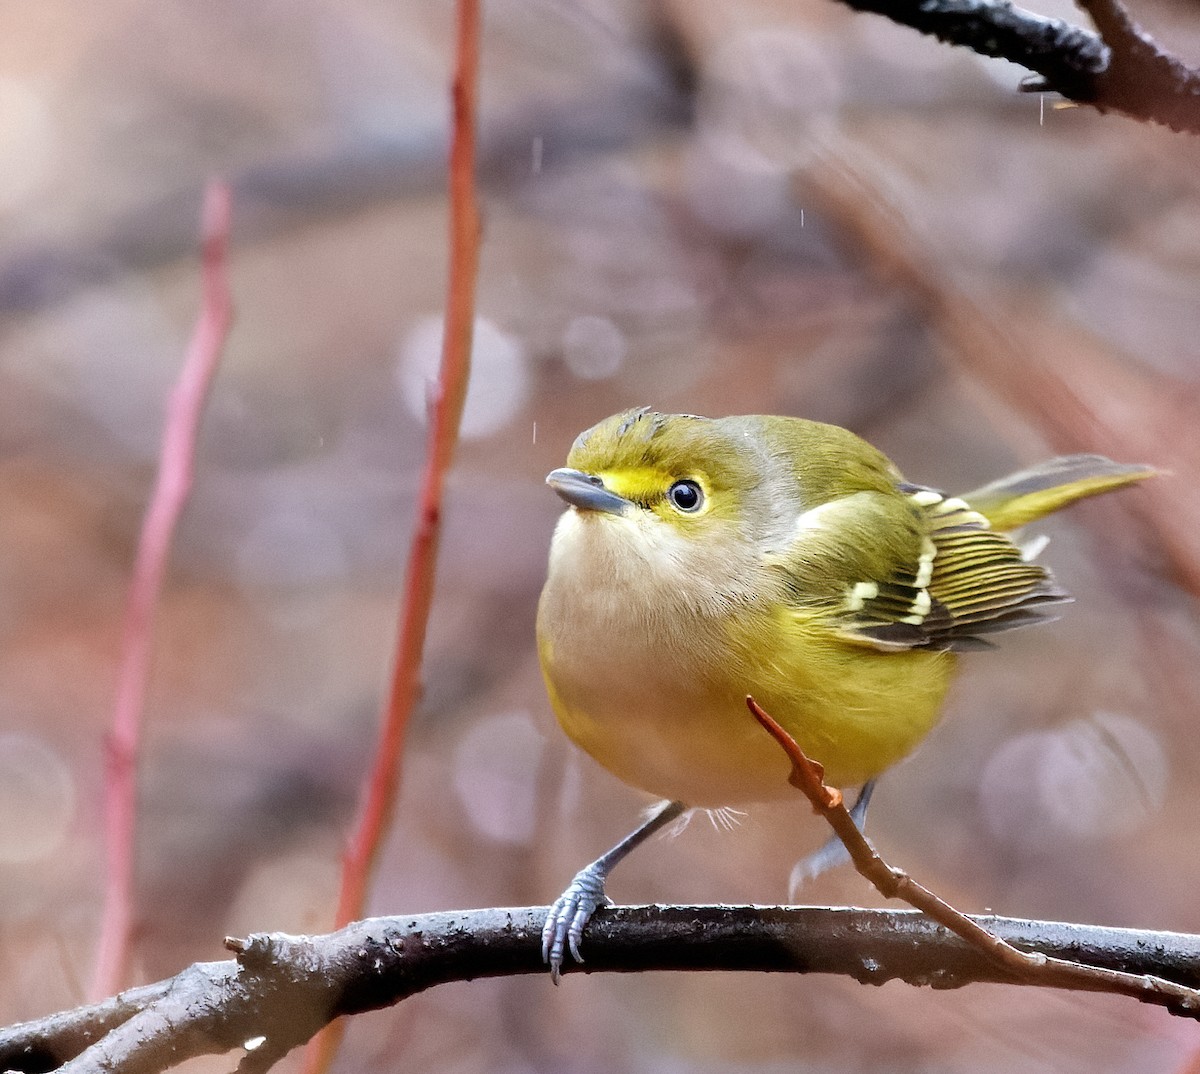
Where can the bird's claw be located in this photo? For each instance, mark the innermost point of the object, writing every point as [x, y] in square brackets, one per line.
[834, 852]
[569, 915]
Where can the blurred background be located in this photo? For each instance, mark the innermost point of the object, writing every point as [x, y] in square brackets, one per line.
[705, 207]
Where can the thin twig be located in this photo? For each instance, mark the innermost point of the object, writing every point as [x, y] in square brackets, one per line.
[446, 402]
[174, 482]
[893, 883]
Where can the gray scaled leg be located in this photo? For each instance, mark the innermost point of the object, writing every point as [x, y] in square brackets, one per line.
[834, 852]
[575, 906]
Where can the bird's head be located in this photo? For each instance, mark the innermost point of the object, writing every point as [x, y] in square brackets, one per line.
[690, 474]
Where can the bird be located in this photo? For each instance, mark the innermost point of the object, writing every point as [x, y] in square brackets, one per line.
[700, 560]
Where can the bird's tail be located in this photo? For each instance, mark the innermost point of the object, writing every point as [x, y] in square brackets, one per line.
[1028, 495]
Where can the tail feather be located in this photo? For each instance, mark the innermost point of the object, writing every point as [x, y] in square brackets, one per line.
[1029, 494]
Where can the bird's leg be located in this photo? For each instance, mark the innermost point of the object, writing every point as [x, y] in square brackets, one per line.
[575, 906]
[834, 852]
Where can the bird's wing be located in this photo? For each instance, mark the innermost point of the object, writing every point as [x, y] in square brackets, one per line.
[912, 570]
[981, 578]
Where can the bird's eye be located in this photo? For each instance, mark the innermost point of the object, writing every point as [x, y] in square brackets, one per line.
[685, 496]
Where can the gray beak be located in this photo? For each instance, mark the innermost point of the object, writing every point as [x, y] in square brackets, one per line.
[585, 491]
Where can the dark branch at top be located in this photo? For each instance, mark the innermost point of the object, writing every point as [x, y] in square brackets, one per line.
[1065, 56]
[1142, 80]
[1119, 69]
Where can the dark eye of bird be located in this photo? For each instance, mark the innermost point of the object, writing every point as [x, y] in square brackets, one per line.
[685, 496]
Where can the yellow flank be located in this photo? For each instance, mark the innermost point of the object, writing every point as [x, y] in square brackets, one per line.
[701, 560]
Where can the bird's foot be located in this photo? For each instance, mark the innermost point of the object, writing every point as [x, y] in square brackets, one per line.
[807, 869]
[834, 852]
[569, 915]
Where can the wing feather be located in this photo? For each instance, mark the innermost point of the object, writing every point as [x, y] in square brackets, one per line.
[943, 587]
[944, 574]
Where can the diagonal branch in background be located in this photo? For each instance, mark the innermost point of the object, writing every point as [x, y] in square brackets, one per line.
[1058, 377]
[1028, 967]
[174, 482]
[1120, 69]
[281, 989]
[447, 398]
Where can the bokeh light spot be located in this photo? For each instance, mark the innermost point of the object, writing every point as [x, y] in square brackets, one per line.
[1089, 779]
[495, 767]
[27, 142]
[593, 347]
[499, 383]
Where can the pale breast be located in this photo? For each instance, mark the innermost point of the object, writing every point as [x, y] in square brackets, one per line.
[635, 650]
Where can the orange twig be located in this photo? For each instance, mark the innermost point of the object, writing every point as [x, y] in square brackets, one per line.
[175, 470]
[893, 883]
[445, 410]
[445, 406]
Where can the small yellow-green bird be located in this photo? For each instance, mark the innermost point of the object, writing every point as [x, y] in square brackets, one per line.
[701, 560]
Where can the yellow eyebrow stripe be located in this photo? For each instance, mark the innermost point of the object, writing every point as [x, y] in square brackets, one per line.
[642, 484]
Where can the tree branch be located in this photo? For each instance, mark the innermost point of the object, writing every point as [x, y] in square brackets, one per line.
[1142, 80]
[1066, 56]
[281, 989]
[1120, 69]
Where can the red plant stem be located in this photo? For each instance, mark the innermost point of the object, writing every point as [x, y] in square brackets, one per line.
[174, 482]
[445, 412]
[446, 401]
